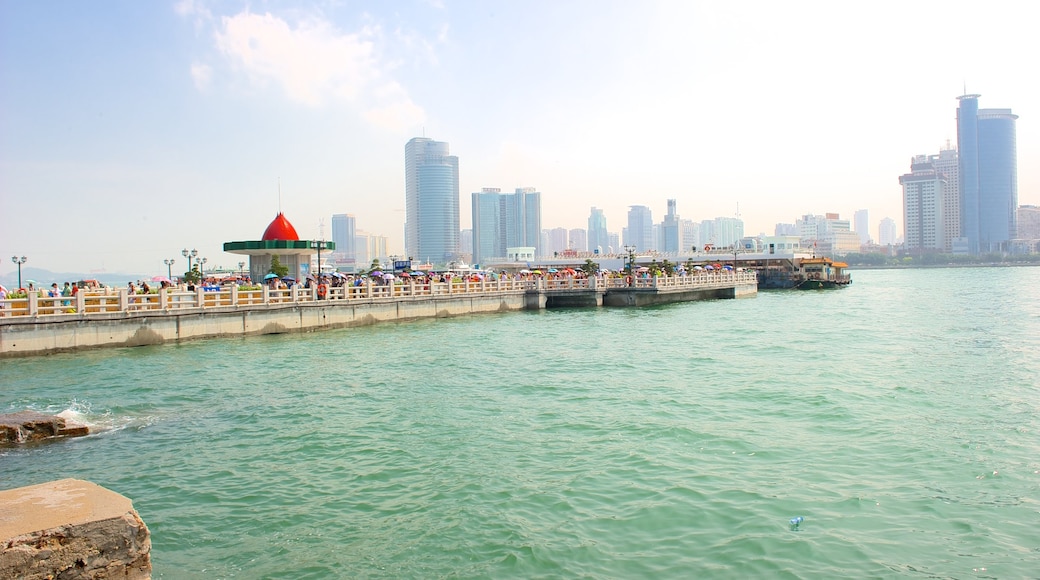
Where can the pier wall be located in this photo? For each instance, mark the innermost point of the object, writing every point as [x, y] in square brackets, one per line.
[41, 336]
[35, 325]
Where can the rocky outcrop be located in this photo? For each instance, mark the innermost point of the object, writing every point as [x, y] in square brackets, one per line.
[74, 530]
[32, 426]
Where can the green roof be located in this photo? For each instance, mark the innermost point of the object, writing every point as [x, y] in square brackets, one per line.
[277, 245]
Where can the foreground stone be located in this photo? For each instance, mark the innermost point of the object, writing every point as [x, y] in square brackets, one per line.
[32, 426]
[71, 529]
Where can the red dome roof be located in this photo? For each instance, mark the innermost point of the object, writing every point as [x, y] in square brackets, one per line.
[280, 229]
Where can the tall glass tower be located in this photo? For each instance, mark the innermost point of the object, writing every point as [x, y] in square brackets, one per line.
[431, 181]
[598, 238]
[988, 175]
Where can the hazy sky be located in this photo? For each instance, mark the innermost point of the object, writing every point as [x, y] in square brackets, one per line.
[130, 130]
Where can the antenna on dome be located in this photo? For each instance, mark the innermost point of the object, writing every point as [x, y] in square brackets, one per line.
[279, 195]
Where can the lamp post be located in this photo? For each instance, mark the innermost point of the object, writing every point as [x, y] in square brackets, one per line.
[189, 255]
[319, 245]
[630, 250]
[19, 261]
[169, 268]
[242, 269]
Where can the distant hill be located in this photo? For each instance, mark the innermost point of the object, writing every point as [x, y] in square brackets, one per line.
[44, 278]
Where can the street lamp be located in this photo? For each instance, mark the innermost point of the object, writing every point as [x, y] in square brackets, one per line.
[19, 261]
[319, 245]
[169, 268]
[188, 255]
[242, 269]
[630, 250]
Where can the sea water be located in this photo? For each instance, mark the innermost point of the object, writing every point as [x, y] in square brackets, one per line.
[898, 418]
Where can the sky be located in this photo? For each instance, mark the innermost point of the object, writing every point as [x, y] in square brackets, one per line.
[132, 130]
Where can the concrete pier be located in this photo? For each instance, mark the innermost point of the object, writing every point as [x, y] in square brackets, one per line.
[37, 325]
[71, 529]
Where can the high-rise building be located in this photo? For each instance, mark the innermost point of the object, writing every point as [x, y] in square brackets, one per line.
[556, 241]
[640, 228]
[988, 176]
[690, 232]
[1029, 222]
[726, 231]
[431, 201]
[505, 220]
[945, 164]
[344, 230]
[671, 235]
[923, 212]
[887, 232]
[861, 220]
[597, 232]
[577, 239]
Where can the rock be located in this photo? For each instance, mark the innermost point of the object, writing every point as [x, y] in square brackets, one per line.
[33, 426]
[71, 529]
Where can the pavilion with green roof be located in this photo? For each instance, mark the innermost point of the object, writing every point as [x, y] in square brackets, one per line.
[280, 239]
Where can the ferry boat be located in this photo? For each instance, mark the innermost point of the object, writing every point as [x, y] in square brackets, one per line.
[820, 274]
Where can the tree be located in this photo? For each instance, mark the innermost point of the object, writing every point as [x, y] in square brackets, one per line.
[374, 266]
[590, 267]
[277, 268]
[193, 276]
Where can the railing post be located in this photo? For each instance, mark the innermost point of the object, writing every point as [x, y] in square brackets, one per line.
[124, 300]
[200, 297]
[234, 295]
[163, 299]
[31, 306]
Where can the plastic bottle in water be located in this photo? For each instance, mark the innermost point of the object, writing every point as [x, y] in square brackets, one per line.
[795, 521]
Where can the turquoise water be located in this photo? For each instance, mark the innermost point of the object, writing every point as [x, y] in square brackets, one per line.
[899, 417]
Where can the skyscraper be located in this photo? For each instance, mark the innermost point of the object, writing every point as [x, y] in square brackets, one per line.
[923, 206]
[505, 220]
[988, 175]
[887, 232]
[946, 164]
[344, 230]
[431, 201]
[640, 228]
[671, 235]
[861, 220]
[597, 232]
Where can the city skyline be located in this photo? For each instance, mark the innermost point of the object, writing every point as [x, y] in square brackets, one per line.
[141, 129]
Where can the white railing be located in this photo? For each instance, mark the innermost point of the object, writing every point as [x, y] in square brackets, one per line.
[169, 300]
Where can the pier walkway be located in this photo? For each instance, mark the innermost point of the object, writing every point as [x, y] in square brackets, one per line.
[35, 324]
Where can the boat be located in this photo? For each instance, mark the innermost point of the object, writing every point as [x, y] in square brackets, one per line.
[820, 274]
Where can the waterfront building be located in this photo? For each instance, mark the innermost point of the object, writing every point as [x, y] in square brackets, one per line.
[615, 242]
[946, 164]
[344, 229]
[671, 235]
[988, 176]
[923, 211]
[577, 240]
[690, 235]
[598, 238]
[861, 219]
[556, 241]
[279, 239]
[640, 228]
[725, 231]
[502, 220]
[887, 232]
[431, 201]
[1029, 222]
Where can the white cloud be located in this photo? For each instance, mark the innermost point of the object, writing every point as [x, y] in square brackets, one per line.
[202, 74]
[315, 64]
